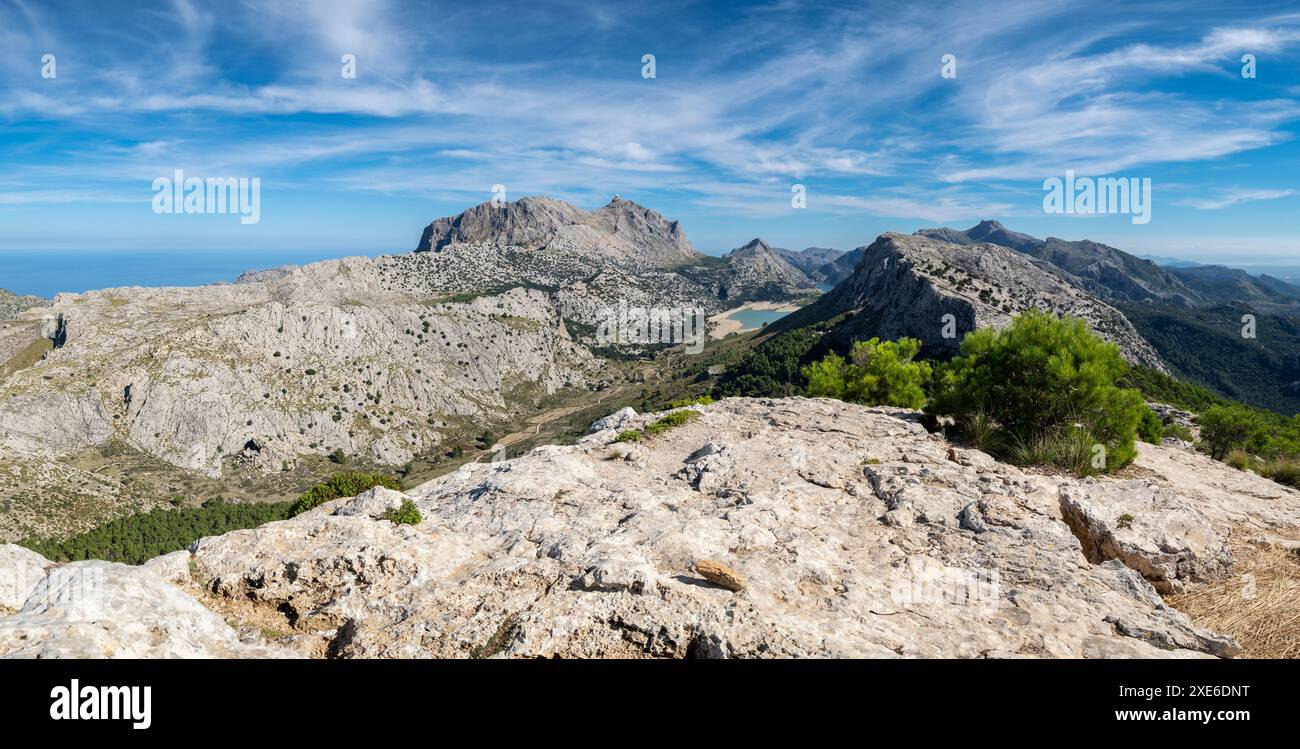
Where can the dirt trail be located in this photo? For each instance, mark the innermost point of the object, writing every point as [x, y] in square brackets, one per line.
[546, 417]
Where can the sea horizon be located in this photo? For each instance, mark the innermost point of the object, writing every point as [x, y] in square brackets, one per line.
[45, 273]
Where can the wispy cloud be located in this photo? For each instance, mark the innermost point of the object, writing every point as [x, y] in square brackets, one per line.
[1234, 197]
[452, 99]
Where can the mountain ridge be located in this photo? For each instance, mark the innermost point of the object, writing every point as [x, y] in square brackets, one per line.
[908, 285]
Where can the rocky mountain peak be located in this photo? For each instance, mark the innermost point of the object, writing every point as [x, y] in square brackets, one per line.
[752, 246]
[621, 230]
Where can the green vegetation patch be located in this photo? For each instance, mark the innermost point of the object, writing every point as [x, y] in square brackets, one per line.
[407, 514]
[139, 538]
[342, 485]
[670, 420]
[875, 374]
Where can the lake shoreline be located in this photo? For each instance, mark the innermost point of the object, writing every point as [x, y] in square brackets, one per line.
[723, 324]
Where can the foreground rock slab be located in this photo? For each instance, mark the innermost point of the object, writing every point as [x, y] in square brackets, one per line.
[856, 534]
[1148, 528]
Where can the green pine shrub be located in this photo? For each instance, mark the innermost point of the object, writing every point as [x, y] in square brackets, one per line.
[875, 374]
[1050, 386]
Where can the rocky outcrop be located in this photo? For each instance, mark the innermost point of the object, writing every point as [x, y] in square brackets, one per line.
[11, 304]
[622, 231]
[107, 610]
[937, 292]
[1150, 529]
[760, 528]
[20, 571]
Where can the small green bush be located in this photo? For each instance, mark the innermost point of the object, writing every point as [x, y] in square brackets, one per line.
[1151, 429]
[876, 374]
[342, 485]
[407, 514]
[1048, 383]
[1239, 459]
[629, 435]
[1283, 471]
[703, 400]
[1174, 429]
[1124, 521]
[670, 420]
[1228, 428]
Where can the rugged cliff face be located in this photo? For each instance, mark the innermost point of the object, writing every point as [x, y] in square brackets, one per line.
[551, 243]
[907, 285]
[621, 231]
[760, 528]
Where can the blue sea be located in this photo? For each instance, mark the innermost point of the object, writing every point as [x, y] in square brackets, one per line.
[49, 272]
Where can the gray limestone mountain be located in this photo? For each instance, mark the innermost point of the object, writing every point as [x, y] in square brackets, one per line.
[906, 285]
[342, 354]
[550, 243]
[757, 271]
[622, 231]
[856, 534]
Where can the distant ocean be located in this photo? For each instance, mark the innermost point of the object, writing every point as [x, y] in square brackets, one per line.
[49, 272]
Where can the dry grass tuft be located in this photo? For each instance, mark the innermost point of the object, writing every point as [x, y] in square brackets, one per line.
[1259, 605]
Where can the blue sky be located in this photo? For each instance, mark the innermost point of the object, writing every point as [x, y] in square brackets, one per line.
[748, 99]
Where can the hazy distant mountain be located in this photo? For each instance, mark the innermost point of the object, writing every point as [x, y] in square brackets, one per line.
[1119, 276]
[985, 231]
[1170, 262]
[817, 263]
[767, 264]
[1099, 269]
[1232, 284]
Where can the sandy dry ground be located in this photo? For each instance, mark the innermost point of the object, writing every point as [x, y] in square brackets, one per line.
[723, 324]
